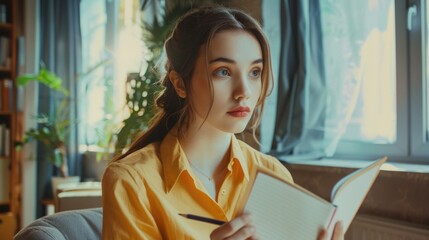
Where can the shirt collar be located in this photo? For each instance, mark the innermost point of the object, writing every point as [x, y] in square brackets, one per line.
[174, 160]
[238, 156]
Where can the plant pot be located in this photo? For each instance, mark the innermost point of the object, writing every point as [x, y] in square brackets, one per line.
[56, 181]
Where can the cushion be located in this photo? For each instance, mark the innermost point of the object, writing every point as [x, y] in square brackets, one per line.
[76, 224]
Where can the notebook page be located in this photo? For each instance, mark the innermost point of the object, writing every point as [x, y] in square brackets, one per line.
[349, 193]
[281, 211]
[350, 198]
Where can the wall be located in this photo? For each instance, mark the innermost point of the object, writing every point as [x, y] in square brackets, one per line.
[251, 7]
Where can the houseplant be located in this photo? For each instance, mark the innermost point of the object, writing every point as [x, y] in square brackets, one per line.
[143, 88]
[51, 130]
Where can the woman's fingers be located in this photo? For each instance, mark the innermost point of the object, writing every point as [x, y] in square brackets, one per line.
[247, 232]
[338, 231]
[231, 227]
[322, 235]
[238, 228]
[337, 234]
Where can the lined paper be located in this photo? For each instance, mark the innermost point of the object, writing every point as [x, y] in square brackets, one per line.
[283, 211]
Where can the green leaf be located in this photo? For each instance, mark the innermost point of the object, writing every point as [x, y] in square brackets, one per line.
[45, 77]
[24, 79]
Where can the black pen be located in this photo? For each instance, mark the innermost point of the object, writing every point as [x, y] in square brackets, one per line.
[202, 219]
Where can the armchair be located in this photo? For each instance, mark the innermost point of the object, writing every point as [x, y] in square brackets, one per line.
[76, 224]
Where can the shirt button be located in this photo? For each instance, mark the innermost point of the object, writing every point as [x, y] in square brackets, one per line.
[223, 191]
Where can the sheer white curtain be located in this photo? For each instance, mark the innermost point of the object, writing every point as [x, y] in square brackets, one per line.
[359, 42]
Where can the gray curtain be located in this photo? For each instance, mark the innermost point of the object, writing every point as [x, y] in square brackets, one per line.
[299, 123]
[60, 52]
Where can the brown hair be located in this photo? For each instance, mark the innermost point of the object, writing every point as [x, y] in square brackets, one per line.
[192, 31]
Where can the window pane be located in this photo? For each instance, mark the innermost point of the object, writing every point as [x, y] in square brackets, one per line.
[111, 48]
[359, 50]
[93, 19]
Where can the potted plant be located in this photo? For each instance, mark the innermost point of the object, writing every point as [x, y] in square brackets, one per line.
[143, 87]
[52, 130]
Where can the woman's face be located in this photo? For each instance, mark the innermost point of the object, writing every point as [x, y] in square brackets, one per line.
[234, 65]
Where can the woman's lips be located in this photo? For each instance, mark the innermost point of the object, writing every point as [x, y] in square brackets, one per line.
[241, 111]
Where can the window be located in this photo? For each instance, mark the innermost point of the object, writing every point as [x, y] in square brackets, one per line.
[111, 48]
[376, 53]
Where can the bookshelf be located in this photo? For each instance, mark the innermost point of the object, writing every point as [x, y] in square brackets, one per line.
[10, 116]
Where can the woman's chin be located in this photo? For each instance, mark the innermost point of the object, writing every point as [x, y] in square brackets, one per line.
[237, 129]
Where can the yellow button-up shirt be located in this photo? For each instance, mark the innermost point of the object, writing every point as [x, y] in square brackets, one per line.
[144, 193]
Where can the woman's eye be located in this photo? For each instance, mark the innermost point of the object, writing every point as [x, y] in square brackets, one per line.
[222, 72]
[255, 73]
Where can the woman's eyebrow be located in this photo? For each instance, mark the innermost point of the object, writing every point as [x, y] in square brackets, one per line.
[258, 61]
[227, 60]
[222, 59]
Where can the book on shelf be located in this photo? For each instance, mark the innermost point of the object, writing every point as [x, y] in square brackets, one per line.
[5, 60]
[4, 141]
[3, 14]
[4, 179]
[2, 129]
[6, 95]
[283, 210]
[1, 95]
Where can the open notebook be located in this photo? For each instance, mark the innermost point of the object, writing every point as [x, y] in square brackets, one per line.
[283, 210]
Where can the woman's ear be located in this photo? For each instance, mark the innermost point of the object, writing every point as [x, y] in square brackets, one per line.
[178, 83]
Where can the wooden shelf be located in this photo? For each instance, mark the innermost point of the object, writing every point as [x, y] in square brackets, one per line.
[5, 26]
[5, 70]
[3, 113]
[12, 119]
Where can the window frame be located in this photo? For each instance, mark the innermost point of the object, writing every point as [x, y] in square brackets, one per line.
[410, 145]
[418, 81]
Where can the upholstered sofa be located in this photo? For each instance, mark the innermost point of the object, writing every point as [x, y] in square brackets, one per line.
[76, 224]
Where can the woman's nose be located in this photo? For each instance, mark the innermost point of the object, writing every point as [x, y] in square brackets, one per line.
[242, 89]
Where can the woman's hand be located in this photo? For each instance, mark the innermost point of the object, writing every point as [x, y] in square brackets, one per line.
[337, 235]
[239, 228]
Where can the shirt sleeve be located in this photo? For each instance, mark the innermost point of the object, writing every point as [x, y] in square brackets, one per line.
[273, 165]
[126, 207]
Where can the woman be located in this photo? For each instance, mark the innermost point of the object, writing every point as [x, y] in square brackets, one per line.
[189, 161]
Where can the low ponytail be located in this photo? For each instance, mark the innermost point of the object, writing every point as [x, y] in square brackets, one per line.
[170, 109]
